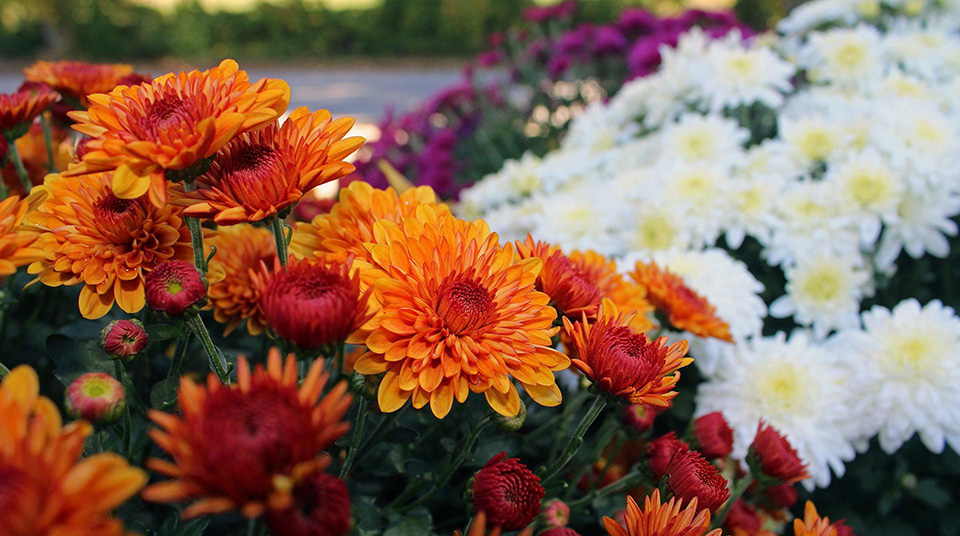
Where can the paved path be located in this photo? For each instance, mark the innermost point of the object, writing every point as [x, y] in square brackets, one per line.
[363, 93]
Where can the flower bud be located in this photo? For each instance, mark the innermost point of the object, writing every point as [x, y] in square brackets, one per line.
[713, 435]
[782, 495]
[508, 492]
[96, 397]
[639, 417]
[123, 339]
[175, 288]
[556, 513]
[661, 450]
[690, 476]
[511, 424]
[772, 456]
[742, 519]
[560, 531]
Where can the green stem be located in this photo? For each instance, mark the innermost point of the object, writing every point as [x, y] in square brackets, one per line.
[739, 487]
[48, 141]
[217, 363]
[127, 423]
[196, 234]
[255, 527]
[362, 410]
[280, 238]
[179, 354]
[97, 441]
[18, 163]
[550, 424]
[3, 370]
[378, 432]
[576, 440]
[629, 481]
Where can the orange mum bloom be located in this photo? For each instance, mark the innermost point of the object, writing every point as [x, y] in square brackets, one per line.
[458, 315]
[479, 528]
[624, 363]
[658, 519]
[685, 309]
[18, 109]
[244, 446]
[173, 123]
[91, 236]
[813, 524]
[17, 244]
[45, 489]
[243, 251]
[264, 173]
[77, 79]
[344, 230]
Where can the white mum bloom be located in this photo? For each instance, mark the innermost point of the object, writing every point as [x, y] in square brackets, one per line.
[797, 387]
[577, 218]
[810, 215]
[912, 357]
[922, 225]
[824, 291]
[872, 190]
[741, 75]
[517, 180]
[651, 225]
[812, 139]
[703, 138]
[848, 57]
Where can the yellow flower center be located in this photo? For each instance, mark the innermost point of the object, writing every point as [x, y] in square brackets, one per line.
[741, 63]
[174, 287]
[655, 232]
[816, 143]
[824, 284]
[850, 55]
[869, 187]
[783, 388]
[914, 355]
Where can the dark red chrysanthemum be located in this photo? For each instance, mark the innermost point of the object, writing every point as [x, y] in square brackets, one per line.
[640, 417]
[742, 519]
[714, 436]
[18, 109]
[842, 529]
[560, 531]
[690, 476]
[508, 492]
[782, 495]
[320, 507]
[661, 450]
[123, 339]
[174, 287]
[774, 457]
[315, 303]
[570, 289]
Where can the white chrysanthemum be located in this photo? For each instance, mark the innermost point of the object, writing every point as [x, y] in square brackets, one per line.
[922, 224]
[872, 190]
[913, 363]
[824, 291]
[514, 222]
[924, 50]
[812, 139]
[798, 388]
[700, 192]
[703, 138]
[517, 180]
[752, 209]
[921, 142]
[651, 225]
[577, 218]
[810, 215]
[843, 56]
[741, 75]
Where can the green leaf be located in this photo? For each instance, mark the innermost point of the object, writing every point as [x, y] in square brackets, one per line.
[416, 523]
[163, 395]
[163, 332]
[932, 492]
[75, 358]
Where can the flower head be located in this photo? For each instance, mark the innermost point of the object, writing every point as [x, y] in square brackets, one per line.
[320, 506]
[781, 495]
[96, 397]
[175, 288]
[18, 109]
[714, 436]
[244, 253]
[315, 304]
[17, 246]
[685, 309]
[624, 363]
[173, 123]
[457, 314]
[123, 339]
[479, 528]
[508, 491]
[241, 446]
[344, 230]
[108, 244]
[775, 458]
[661, 450]
[639, 417]
[560, 531]
[263, 173]
[813, 525]
[743, 519]
[77, 79]
[556, 513]
[656, 519]
[45, 488]
[690, 476]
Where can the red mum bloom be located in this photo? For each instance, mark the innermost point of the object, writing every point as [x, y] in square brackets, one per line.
[690, 475]
[123, 339]
[640, 417]
[320, 506]
[560, 531]
[315, 303]
[624, 363]
[508, 491]
[782, 495]
[18, 109]
[569, 288]
[174, 287]
[772, 455]
[742, 519]
[661, 450]
[714, 436]
[96, 397]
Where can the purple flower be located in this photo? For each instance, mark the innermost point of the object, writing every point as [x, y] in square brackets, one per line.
[490, 58]
[636, 21]
[644, 56]
[608, 40]
[558, 65]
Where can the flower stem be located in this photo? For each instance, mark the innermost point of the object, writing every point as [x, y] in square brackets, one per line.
[18, 163]
[551, 423]
[127, 423]
[576, 440]
[280, 238]
[217, 363]
[739, 487]
[3, 370]
[629, 481]
[196, 234]
[179, 354]
[362, 410]
[48, 141]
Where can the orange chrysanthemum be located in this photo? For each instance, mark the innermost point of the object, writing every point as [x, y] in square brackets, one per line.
[77, 79]
[18, 109]
[243, 252]
[624, 363]
[33, 152]
[658, 519]
[17, 243]
[479, 528]
[173, 123]
[577, 283]
[458, 315]
[108, 244]
[245, 446]
[812, 524]
[264, 173]
[343, 231]
[45, 489]
[685, 309]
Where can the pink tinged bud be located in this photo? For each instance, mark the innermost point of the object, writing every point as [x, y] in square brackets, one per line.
[96, 397]
[123, 339]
